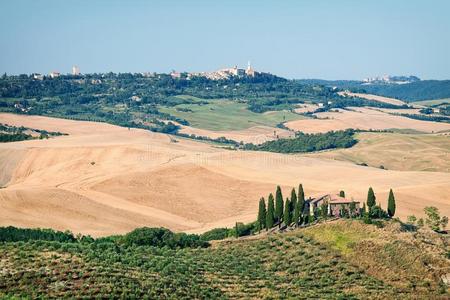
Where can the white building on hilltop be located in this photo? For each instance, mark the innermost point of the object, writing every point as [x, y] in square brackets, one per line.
[54, 74]
[75, 70]
[227, 73]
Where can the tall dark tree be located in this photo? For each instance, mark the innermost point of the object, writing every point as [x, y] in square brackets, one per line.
[270, 217]
[301, 198]
[342, 194]
[391, 204]
[287, 213]
[371, 199]
[293, 200]
[262, 213]
[297, 215]
[279, 205]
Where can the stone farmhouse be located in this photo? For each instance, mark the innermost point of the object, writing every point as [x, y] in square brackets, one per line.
[335, 204]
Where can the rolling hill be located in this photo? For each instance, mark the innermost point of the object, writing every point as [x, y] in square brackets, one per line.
[102, 179]
[337, 260]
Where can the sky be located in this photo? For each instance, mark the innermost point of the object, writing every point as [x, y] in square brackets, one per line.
[338, 39]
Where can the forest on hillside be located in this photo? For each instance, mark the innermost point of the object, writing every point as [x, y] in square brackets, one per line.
[134, 100]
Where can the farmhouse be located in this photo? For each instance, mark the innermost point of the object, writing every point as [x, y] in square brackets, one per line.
[335, 204]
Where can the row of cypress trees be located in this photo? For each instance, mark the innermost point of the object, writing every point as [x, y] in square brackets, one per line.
[376, 210]
[291, 211]
[279, 211]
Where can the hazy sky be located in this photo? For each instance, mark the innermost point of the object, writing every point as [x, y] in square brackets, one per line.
[295, 39]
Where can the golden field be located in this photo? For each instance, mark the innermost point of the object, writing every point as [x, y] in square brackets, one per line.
[103, 179]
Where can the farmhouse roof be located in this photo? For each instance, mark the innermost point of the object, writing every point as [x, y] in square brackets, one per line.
[332, 199]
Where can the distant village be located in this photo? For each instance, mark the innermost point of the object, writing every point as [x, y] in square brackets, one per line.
[220, 74]
[387, 79]
[223, 73]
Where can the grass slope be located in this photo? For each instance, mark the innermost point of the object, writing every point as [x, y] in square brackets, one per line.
[395, 151]
[292, 265]
[227, 115]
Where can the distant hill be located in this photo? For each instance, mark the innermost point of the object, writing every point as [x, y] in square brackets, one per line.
[414, 91]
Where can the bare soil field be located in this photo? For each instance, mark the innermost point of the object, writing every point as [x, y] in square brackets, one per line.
[363, 118]
[373, 97]
[303, 108]
[103, 179]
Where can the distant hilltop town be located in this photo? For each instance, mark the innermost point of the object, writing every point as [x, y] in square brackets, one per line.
[54, 74]
[225, 73]
[220, 74]
[387, 79]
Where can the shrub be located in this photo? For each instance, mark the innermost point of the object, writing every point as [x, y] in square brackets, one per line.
[216, 234]
[433, 219]
[376, 212]
[160, 237]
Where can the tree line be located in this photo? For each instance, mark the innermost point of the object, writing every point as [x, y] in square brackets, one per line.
[304, 142]
[144, 236]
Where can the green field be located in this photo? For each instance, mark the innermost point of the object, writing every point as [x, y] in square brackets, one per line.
[432, 102]
[227, 115]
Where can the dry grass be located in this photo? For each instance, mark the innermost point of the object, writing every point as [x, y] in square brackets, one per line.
[404, 259]
[404, 152]
[373, 97]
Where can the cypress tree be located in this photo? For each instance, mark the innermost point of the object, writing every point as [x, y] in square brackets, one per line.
[262, 213]
[258, 220]
[293, 200]
[301, 198]
[371, 199]
[342, 194]
[270, 213]
[287, 213]
[279, 205]
[364, 210]
[296, 218]
[391, 204]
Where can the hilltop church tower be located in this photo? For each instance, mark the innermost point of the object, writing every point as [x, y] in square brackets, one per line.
[250, 72]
